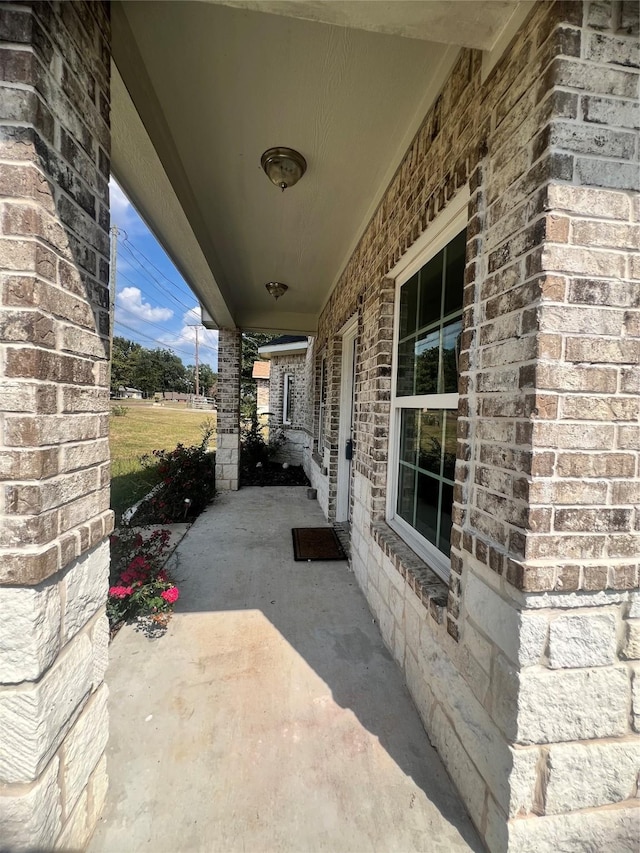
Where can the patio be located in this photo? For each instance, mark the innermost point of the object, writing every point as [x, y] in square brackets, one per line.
[270, 717]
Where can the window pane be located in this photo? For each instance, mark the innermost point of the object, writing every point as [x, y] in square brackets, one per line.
[409, 306]
[450, 444]
[428, 360]
[450, 356]
[406, 368]
[409, 426]
[406, 493]
[444, 541]
[427, 508]
[431, 291]
[431, 441]
[427, 350]
[454, 274]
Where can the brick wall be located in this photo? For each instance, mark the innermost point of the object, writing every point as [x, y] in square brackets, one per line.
[228, 415]
[262, 395]
[297, 438]
[54, 456]
[523, 668]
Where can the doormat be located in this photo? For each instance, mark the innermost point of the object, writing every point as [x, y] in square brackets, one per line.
[316, 543]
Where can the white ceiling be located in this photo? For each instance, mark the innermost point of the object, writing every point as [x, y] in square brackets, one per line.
[214, 87]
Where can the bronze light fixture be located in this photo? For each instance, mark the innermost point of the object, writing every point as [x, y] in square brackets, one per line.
[283, 166]
[276, 289]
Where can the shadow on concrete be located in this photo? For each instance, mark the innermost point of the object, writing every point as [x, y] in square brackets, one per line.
[274, 691]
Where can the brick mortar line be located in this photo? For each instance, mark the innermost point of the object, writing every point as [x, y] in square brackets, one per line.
[39, 240]
[35, 163]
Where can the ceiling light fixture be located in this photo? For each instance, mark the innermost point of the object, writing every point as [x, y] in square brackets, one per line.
[283, 166]
[276, 289]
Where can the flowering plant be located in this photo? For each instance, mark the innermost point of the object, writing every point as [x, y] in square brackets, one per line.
[187, 481]
[142, 587]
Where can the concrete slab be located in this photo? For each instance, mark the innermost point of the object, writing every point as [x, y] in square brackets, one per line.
[270, 716]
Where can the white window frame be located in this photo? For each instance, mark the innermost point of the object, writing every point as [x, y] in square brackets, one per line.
[444, 228]
[286, 399]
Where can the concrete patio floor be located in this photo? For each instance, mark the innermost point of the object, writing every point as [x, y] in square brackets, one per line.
[270, 716]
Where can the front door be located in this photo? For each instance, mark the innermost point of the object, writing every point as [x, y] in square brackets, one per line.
[346, 436]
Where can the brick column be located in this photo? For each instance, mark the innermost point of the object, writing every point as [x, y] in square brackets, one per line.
[228, 431]
[54, 469]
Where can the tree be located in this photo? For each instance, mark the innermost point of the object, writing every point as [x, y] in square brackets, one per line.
[251, 341]
[208, 380]
[135, 366]
[174, 373]
[122, 371]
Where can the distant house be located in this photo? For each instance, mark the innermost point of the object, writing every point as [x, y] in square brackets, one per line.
[287, 391]
[261, 371]
[129, 393]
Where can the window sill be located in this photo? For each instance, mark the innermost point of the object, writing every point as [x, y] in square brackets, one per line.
[315, 456]
[432, 591]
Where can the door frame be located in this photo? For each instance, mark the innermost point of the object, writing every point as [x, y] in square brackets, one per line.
[349, 333]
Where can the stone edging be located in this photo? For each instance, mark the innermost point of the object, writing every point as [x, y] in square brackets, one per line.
[129, 513]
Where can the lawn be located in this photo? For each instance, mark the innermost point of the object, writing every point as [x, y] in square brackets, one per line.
[142, 430]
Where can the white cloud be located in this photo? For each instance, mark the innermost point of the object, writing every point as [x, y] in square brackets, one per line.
[130, 298]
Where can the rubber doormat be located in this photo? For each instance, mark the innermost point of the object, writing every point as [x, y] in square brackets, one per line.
[316, 543]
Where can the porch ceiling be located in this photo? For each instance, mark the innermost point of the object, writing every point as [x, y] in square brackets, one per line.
[215, 86]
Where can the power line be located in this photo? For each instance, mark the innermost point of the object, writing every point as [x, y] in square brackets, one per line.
[143, 320]
[152, 278]
[150, 262]
[157, 326]
[131, 248]
[163, 344]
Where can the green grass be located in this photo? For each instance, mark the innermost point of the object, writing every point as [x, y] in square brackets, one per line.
[142, 430]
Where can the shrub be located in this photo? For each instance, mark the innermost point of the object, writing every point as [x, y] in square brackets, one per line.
[141, 587]
[119, 411]
[255, 450]
[187, 478]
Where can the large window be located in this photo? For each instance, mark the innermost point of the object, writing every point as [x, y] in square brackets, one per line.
[287, 399]
[425, 402]
[322, 403]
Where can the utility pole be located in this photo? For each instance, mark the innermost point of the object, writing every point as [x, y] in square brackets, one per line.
[196, 326]
[197, 366]
[112, 292]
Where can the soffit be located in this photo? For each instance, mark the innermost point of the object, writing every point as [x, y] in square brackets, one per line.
[473, 23]
[214, 87]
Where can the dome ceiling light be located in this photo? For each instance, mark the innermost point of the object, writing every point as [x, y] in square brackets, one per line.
[276, 289]
[283, 166]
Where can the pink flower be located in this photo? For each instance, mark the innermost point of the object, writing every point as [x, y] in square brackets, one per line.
[120, 591]
[162, 575]
[171, 595]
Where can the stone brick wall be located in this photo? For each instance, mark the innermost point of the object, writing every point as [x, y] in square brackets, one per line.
[228, 417]
[54, 455]
[523, 668]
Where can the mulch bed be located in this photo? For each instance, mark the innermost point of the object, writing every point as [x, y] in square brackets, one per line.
[273, 474]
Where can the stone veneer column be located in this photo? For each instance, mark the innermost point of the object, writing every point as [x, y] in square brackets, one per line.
[54, 453]
[228, 429]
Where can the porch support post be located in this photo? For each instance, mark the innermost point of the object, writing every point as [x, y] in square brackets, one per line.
[228, 429]
[54, 449]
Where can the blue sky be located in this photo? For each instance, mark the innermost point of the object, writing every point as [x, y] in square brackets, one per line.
[154, 305]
